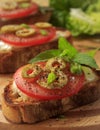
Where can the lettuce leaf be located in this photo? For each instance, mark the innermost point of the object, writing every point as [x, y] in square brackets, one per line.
[79, 22]
[67, 4]
[95, 7]
[80, 17]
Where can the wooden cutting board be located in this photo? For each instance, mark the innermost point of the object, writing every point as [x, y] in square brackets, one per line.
[86, 117]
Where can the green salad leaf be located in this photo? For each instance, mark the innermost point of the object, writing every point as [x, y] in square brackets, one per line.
[80, 17]
[67, 4]
[58, 18]
[79, 22]
[95, 7]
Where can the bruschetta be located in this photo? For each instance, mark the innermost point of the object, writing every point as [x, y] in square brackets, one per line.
[55, 81]
[19, 43]
[22, 11]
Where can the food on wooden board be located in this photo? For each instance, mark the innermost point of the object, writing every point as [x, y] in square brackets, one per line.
[53, 82]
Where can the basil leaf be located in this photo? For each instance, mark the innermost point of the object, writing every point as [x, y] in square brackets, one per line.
[93, 52]
[85, 59]
[51, 77]
[46, 55]
[68, 54]
[62, 43]
[66, 47]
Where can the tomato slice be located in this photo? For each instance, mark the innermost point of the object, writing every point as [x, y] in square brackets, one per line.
[36, 39]
[34, 90]
[19, 12]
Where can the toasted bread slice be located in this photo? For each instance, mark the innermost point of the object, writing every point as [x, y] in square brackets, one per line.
[16, 110]
[11, 58]
[41, 16]
[89, 93]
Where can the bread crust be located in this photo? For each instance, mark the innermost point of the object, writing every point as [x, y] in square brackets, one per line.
[36, 111]
[31, 19]
[89, 93]
[32, 112]
[11, 60]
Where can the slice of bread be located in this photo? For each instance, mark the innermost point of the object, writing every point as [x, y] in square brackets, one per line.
[41, 16]
[12, 58]
[89, 93]
[16, 110]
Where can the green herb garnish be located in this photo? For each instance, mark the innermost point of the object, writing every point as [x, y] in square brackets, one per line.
[46, 55]
[76, 68]
[43, 32]
[25, 25]
[51, 78]
[64, 45]
[24, 5]
[85, 59]
[70, 54]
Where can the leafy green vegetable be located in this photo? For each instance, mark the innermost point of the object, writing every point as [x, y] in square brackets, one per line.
[80, 17]
[64, 44]
[51, 78]
[85, 59]
[66, 48]
[45, 55]
[67, 52]
[95, 7]
[81, 23]
[58, 18]
[59, 4]
[67, 4]
[83, 4]
[95, 16]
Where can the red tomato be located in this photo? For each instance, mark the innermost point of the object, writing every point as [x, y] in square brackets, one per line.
[19, 12]
[33, 40]
[33, 89]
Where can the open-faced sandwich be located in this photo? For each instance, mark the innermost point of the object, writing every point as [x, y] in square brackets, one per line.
[19, 11]
[20, 43]
[55, 81]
